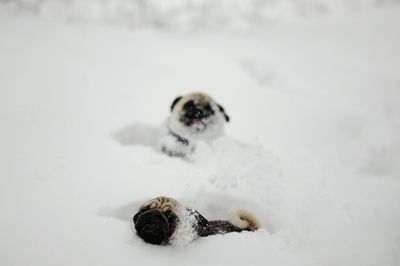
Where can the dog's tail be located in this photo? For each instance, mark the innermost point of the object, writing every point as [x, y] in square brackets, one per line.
[244, 220]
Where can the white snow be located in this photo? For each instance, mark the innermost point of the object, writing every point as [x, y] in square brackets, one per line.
[312, 148]
[191, 14]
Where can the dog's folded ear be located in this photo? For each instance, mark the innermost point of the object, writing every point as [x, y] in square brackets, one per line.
[223, 111]
[175, 102]
[136, 217]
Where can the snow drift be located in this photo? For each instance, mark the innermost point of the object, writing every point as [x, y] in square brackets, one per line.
[312, 147]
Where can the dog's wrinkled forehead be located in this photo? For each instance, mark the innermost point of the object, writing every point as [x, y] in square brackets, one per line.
[163, 203]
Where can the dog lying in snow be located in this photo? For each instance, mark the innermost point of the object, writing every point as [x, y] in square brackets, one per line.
[158, 221]
[194, 117]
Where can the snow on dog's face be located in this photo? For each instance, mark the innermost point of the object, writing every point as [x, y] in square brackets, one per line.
[197, 114]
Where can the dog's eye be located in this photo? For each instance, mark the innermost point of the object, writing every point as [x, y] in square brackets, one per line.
[189, 105]
[172, 218]
[169, 214]
[209, 109]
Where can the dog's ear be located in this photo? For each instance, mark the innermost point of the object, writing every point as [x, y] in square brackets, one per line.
[223, 111]
[136, 217]
[175, 101]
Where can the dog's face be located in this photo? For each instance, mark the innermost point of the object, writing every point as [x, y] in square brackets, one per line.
[197, 112]
[156, 220]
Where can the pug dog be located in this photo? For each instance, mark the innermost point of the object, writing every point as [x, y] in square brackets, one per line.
[194, 117]
[158, 220]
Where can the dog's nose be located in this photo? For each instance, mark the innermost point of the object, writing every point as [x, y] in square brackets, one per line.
[195, 113]
[198, 114]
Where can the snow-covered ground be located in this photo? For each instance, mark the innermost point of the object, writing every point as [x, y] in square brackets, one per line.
[190, 14]
[313, 147]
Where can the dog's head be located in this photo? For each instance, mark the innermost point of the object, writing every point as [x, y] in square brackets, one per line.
[156, 221]
[197, 112]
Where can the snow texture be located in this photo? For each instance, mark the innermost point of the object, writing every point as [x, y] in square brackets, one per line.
[312, 149]
[190, 14]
